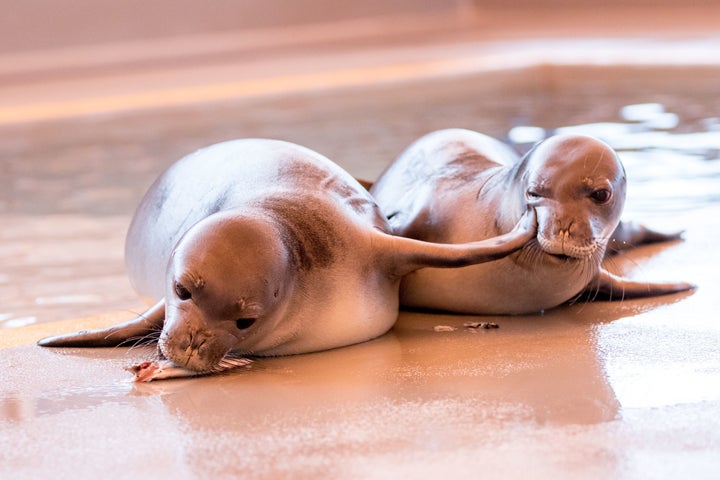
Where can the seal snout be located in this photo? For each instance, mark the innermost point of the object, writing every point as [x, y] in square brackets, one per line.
[199, 351]
[565, 248]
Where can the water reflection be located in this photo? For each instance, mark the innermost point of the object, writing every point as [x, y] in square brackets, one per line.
[655, 363]
[547, 369]
[46, 383]
[541, 369]
[670, 355]
[18, 408]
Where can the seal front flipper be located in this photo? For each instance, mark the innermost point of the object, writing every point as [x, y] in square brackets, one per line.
[411, 255]
[614, 287]
[135, 330]
[632, 234]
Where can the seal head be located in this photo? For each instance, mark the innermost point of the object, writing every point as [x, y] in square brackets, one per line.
[228, 281]
[576, 185]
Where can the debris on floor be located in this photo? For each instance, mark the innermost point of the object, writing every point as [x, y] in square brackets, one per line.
[444, 328]
[165, 369]
[486, 325]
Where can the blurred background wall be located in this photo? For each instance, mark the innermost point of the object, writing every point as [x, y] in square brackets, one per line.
[37, 24]
[45, 24]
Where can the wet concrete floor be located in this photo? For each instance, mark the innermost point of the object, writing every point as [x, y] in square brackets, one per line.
[592, 390]
[622, 390]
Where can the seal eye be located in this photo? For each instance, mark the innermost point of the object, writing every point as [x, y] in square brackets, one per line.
[245, 323]
[601, 195]
[532, 195]
[182, 292]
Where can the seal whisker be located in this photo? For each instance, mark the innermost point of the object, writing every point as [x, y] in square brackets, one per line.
[131, 341]
[587, 273]
[592, 275]
[142, 340]
[613, 261]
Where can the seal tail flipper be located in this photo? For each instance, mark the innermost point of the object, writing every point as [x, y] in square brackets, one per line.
[149, 322]
[417, 254]
[631, 234]
[614, 287]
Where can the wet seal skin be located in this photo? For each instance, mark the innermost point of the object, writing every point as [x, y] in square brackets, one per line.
[457, 186]
[261, 247]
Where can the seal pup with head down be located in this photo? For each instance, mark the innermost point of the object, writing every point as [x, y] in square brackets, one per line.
[457, 186]
[262, 247]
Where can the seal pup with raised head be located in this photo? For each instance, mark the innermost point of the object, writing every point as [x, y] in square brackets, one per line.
[263, 247]
[457, 186]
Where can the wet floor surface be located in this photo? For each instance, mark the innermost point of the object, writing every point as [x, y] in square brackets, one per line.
[586, 391]
[592, 390]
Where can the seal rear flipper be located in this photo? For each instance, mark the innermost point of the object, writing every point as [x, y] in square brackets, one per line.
[145, 326]
[614, 287]
[410, 255]
[631, 234]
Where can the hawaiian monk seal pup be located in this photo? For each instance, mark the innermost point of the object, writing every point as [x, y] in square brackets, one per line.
[262, 247]
[456, 186]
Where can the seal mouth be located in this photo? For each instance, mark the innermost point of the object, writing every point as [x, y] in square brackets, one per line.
[564, 251]
[562, 257]
[201, 357]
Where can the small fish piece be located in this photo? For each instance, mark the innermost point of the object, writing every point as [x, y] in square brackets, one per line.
[165, 369]
[486, 325]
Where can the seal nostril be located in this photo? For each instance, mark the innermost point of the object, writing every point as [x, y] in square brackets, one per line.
[245, 323]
